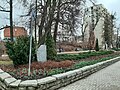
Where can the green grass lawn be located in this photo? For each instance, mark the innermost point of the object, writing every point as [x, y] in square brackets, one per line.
[6, 62]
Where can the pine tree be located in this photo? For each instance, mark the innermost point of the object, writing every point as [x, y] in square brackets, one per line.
[51, 51]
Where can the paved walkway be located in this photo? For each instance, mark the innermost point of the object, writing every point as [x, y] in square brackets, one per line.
[74, 52]
[105, 79]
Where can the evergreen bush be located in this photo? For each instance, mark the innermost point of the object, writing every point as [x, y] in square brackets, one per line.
[18, 50]
[51, 50]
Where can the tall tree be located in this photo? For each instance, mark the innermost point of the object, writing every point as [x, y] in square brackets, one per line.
[3, 9]
[84, 15]
[117, 40]
[96, 15]
[11, 20]
[67, 16]
[57, 19]
[84, 24]
[65, 12]
[108, 29]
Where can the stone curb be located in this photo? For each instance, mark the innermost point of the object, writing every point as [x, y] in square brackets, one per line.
[7, 82]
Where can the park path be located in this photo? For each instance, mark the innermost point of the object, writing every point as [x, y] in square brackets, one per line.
[105, 79]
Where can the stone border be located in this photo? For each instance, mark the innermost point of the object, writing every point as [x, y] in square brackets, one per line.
[7, 82]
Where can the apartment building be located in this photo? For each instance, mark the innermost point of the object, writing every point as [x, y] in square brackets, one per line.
[97, 17]
[64, 34]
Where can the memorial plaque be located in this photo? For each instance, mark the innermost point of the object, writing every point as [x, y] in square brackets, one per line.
[42, 54]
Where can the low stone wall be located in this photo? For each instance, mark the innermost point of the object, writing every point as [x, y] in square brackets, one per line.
[7, 82]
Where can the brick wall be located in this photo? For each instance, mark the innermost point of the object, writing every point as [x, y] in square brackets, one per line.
[17, 31]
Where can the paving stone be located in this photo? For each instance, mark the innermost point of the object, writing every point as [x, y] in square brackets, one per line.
[105, 79]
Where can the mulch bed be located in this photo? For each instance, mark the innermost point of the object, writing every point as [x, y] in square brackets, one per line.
[23, 69]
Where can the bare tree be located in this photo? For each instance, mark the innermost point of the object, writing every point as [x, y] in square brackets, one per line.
[84, 15]
[68, 12]
[84, 24]
[108, 29]
[65, 12]
[11, 16]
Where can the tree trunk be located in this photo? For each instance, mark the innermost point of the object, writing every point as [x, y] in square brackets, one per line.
[83, 37]
[57, 22]
[49, 23]
[36, 22]
[44, 14]
[11, 21]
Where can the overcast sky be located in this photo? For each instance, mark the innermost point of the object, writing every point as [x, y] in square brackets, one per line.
[112, 6]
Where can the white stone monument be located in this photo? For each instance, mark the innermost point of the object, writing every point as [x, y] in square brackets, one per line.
[42, 54]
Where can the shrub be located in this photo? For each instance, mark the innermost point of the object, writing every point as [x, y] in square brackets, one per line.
[116, 49]
[82, 55]
[97, 45]
[82, 64]
[18, 51]
[51, 51]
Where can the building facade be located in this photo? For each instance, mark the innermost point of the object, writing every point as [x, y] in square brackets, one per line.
[96, 21]
[64, 34]
[17, 31]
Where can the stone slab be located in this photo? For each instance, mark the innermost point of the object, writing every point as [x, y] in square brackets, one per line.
[42, 54]
[15, 84]
[46, 80]
[9, 80]
[85, 68]
[1, 71]
[4, 76]
[29, 83]
[60, 76]
[71, 73]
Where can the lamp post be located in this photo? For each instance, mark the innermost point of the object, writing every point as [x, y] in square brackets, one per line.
[30, 50]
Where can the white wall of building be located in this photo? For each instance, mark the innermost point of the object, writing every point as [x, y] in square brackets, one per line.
[98, 12]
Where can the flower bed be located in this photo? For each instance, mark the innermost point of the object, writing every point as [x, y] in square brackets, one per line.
[82, 55]
[7, 82]
[40, 70]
